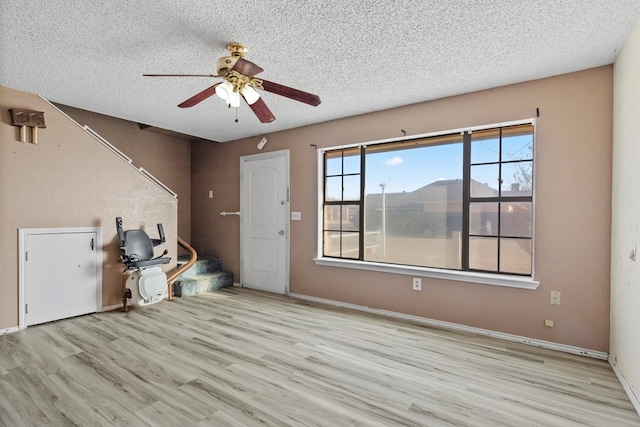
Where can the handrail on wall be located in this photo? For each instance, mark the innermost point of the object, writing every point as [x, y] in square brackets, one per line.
[107, 144]
[157, 182]
[128, 160]
[171, 278]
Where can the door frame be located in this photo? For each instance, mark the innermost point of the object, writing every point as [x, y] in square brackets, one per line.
[24, 233]
[287, 243]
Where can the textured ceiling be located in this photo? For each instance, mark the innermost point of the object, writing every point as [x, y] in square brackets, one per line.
[358, 56]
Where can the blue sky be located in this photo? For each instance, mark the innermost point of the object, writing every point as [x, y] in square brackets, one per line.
[412, 168]
[408, 170]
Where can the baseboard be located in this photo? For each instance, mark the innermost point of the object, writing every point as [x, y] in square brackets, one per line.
[462, 328]
[9, 330]
[625, 385]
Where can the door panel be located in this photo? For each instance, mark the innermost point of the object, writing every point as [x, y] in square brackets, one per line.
[264, 255]
[61, 276]
[264, 227]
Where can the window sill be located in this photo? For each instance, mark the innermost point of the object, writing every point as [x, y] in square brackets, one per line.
[521, 282]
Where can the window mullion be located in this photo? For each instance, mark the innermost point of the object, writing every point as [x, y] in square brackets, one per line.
[362, 239]
[466, 195]
[342, 207]
[499, 203]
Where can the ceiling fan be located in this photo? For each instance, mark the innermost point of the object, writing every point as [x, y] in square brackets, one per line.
[239, 81]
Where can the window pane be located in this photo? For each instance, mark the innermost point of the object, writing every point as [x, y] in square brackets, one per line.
[516, 219]
[351, 245]
[483, 219]
[517, 143]
[412, 169]
[331, 243]
[352, 163]
[484, 180]
[517, 179]
[483, 253]
[422, 198]
[515, 256]
[351, 187]
[342, 217]
[485, 146]
[344, 245]
[333, 165]
[342, 161]
[333, 188]
[351, 217]
[332, 217]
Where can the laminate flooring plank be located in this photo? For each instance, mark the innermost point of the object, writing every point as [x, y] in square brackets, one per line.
[13, 410]
[238, 357]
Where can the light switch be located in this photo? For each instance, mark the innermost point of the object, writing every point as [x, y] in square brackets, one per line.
[296, 216]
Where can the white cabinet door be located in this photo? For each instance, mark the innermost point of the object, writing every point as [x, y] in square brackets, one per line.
[61, 275]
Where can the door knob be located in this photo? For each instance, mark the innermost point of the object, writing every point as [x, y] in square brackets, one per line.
[281, 232]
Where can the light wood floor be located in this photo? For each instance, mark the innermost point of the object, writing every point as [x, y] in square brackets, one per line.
[243, 358]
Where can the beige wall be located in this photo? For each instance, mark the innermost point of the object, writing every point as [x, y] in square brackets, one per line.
[166, 157]
[625, 233]
[69, 180]
[573, 193]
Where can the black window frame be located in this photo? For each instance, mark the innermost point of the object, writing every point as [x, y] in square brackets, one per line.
[467, 198]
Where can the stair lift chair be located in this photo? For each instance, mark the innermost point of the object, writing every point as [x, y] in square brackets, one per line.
[146, 283]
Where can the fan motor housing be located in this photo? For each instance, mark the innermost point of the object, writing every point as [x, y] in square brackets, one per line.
[225, 64]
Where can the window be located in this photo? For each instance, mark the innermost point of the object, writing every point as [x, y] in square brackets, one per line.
[462, 201]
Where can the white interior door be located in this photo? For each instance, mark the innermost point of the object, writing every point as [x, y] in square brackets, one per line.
[264, 229]
[61, 274]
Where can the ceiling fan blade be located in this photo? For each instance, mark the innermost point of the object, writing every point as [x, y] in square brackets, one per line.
[180, 75]
[261, 110]
[199, 97]
[246, 68]
[289, 92]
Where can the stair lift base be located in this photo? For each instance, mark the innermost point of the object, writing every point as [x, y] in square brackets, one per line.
[145, 282]
[146, 287]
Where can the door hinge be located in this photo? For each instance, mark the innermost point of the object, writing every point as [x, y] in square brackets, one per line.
[26, 308]
[287, 194]
[26, 255]
[92, 244]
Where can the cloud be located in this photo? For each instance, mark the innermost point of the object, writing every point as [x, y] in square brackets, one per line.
[394, 161]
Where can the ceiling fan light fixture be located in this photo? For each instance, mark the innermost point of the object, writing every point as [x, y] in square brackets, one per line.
[250, 94]
[234, 100]
[226, 91]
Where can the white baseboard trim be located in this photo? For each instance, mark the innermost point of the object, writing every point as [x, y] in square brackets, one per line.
[462, 328]
[9, 330]
[625, 385]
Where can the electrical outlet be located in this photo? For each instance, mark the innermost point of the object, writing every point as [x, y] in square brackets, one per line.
[555, 297]
[296, 216]
[417, 284]
[548, 323]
